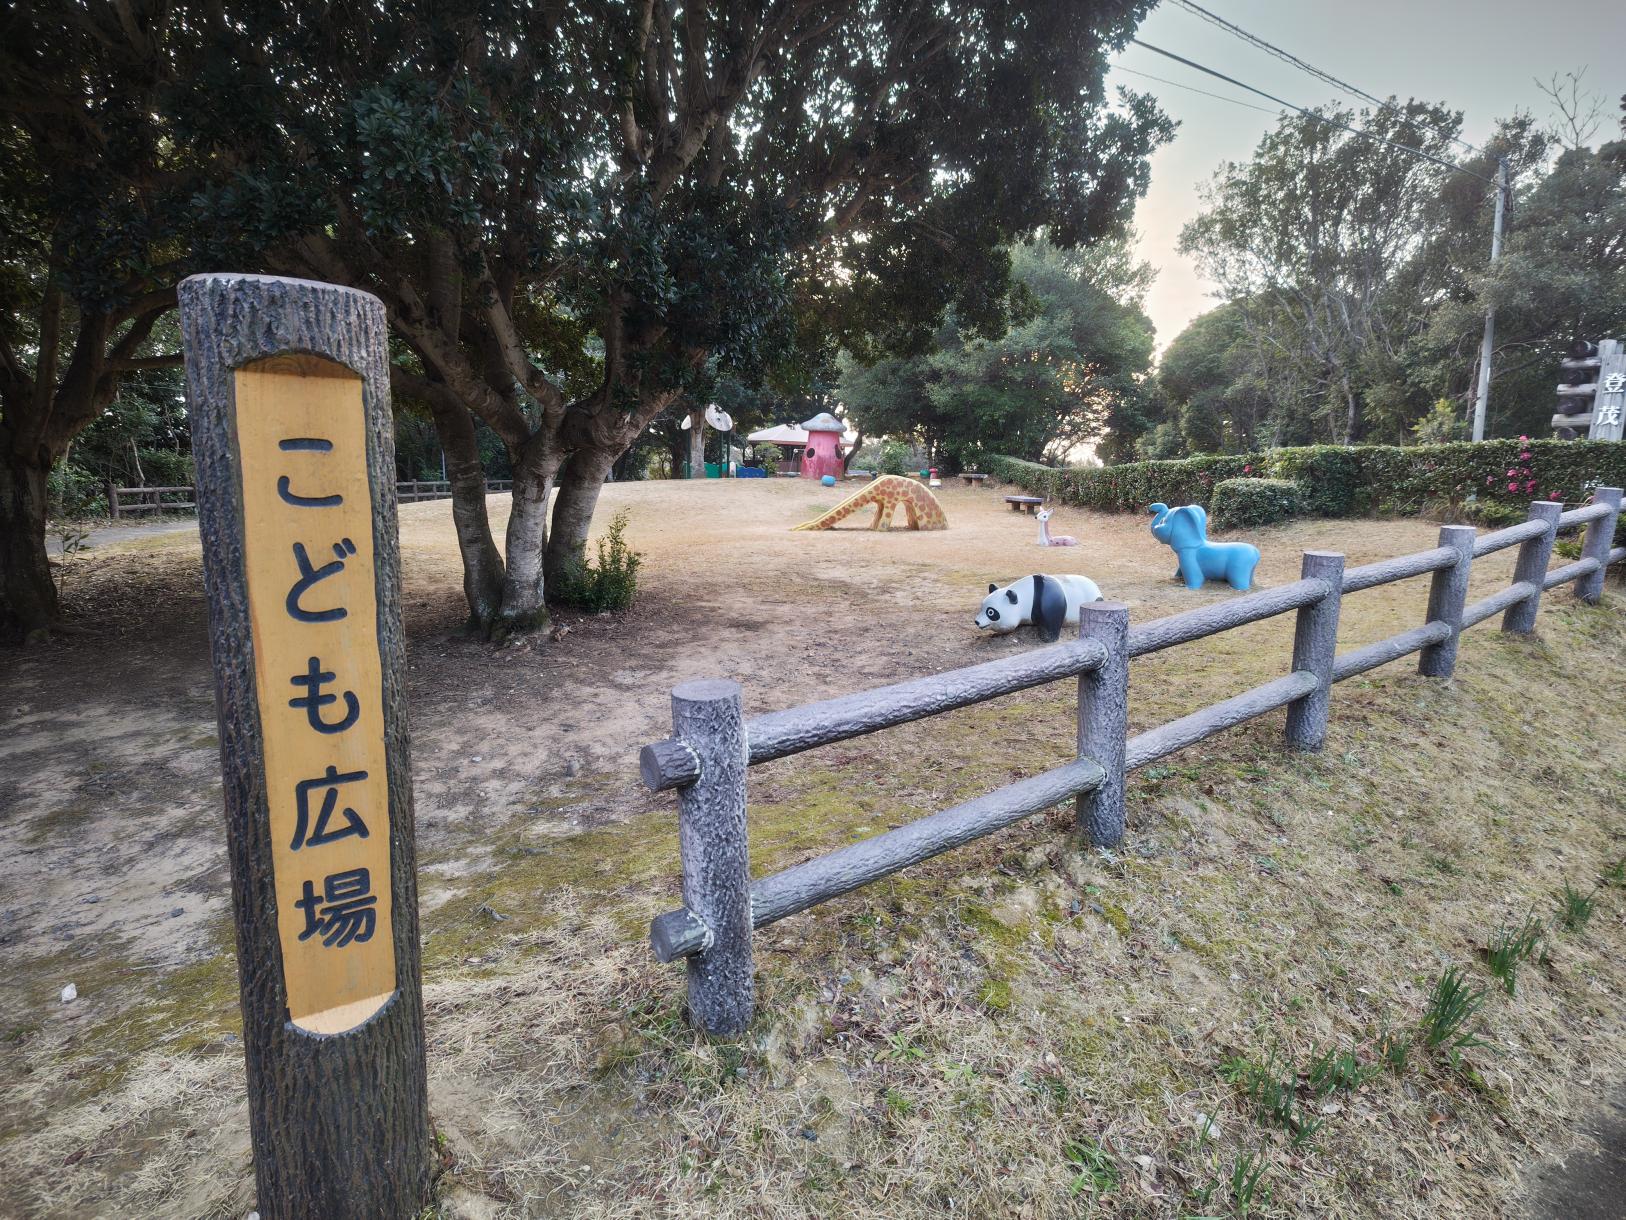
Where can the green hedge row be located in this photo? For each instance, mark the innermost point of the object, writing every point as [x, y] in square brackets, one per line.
[1337, 481]
[1244, 503]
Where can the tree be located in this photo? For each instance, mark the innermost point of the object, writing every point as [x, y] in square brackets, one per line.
[569, 211]
[1217, 394]
[92, 199]
[1305, 238]
[1067, 371]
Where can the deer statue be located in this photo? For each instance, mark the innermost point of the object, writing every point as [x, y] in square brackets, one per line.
[1045, 537]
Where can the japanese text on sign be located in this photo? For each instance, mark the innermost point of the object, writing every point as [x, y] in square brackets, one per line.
[307, 519]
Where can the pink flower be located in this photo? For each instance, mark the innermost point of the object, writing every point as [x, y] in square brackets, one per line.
[1525, 456]
[1247, 470]
[1523, 439]
[1513, 487]
[1511, 473]
[1489, 479]
[1530, 486]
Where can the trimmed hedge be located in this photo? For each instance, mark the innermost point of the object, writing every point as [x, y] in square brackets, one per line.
[1245, 503]
[1128, 487]
[1339, 481]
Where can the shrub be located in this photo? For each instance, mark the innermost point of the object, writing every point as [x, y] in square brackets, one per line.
[1244, 503]
[768, 457]
[611, 583]
[1329, 478]
[892, 458]
[74, 493]
[1465, 479]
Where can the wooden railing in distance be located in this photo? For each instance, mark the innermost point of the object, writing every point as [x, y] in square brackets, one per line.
[712, 745]
[130, 501]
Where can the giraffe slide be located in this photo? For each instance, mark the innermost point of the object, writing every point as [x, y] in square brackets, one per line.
[886, 494]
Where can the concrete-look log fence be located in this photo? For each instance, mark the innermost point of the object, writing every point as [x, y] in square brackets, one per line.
[133, 501]
[713, 743]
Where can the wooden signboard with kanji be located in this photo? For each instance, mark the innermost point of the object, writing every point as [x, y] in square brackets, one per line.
[1609, 404]
[288, 392]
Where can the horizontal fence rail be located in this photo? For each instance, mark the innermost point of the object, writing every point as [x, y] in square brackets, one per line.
[713, 745]
[132, 501]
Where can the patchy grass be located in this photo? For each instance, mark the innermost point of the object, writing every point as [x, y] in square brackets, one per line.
[1017, 1028]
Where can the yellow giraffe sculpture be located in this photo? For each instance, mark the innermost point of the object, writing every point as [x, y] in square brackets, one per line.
[886, 493]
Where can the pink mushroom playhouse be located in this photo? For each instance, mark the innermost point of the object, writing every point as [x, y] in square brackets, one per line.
[823, 454]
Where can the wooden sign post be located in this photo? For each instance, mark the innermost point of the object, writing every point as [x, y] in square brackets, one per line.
[1609, 405]
[288, 392]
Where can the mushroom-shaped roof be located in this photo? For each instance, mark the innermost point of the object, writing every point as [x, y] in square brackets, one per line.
[824, 422]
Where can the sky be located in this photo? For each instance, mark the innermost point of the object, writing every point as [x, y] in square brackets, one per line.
[1481, 57]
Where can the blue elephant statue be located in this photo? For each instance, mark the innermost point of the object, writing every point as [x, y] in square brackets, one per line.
[1185, 530]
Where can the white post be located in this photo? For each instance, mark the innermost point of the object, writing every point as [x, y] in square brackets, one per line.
[1482, 399]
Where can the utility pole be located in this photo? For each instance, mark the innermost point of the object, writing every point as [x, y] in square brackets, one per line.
[1482, 399]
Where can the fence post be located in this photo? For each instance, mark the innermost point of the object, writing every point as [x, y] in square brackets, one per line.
[1600, 538]
[1534, 555]
[1315, 646]
[708, 717]
[1447, 595]
[1103, 719]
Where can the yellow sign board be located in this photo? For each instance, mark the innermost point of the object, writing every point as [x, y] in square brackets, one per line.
[308, 552]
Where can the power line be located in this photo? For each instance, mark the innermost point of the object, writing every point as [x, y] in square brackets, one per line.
[1220, 97]
[1310, 114]
[1271, 48]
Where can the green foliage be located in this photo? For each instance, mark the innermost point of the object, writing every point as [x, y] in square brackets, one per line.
[1245, 503]
[1510, 947]
[769, 457]
[1069, 368]
[1333, 1071]
[1246, 1171]
[1096, 1172]
[893, 457]
[1575, 908]
[1442, 424]
[610, 583]
[1452, 1003]
[75, 493]
[1329, 478]
[1272, 1087]
[1127, 487]
[1215, 396]
[1342, 481]
[1394, 1048]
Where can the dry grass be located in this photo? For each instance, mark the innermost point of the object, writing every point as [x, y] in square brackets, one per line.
[1016, 1029]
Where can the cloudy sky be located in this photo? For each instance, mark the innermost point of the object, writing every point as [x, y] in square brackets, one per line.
[1482, 57]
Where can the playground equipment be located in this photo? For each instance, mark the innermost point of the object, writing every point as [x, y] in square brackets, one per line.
[1185, 531]
[829, 480]
[1045, 536]
[886, 494]
[1049, 602]
[823, 453]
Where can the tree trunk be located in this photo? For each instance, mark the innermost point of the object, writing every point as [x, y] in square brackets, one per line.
[580, 482]
[1353, 424]
[697, 444]
[524, 603]
[29, 598]
[482, 563]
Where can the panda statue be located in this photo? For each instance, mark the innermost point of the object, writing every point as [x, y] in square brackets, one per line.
[1049, 602]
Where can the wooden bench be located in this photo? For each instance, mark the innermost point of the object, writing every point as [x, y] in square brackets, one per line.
[1019, 503]
[973, 480]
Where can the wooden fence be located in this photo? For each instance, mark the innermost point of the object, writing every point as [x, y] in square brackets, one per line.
[134, 501]
[712, 744]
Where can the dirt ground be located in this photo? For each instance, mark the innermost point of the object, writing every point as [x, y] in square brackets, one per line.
[1014, 1029]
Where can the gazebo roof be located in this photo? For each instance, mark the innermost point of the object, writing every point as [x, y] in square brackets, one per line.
[780, 434]
[824, 422]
